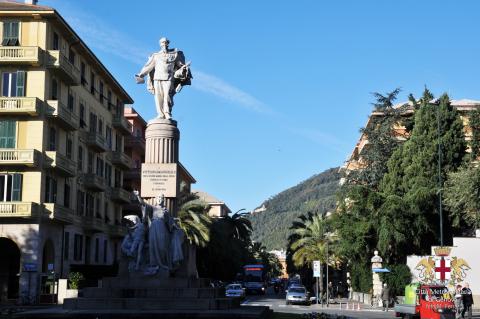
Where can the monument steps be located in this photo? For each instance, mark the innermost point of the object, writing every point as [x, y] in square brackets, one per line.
[134, 281]
[160, 293]
[151, 303]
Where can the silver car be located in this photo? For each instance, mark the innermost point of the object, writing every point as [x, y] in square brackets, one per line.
[234, 290]
[297, 295]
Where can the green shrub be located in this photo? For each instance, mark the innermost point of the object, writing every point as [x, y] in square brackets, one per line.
[398, 277]
[74, 278]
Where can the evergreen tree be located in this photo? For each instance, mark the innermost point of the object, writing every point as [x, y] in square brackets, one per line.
[409, 218]
[382, 140]
[474, 123]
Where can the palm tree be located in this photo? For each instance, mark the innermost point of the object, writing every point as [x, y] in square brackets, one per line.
[193, 219]
[312, 240]
[239, 226]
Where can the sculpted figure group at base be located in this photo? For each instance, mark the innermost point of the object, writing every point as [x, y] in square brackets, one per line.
[164, 243]
[167, 73]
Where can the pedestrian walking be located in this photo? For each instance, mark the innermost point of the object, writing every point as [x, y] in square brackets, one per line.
[385, 295]
[458, 302]
[467, 300]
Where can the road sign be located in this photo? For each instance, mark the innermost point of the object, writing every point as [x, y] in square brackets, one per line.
[316, 268]
[29, 267]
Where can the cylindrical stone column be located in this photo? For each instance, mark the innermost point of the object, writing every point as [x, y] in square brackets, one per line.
[161, 147]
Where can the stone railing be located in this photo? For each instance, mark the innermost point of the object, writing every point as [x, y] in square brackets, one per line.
[18, 209]
[19, 105]
[18, 157]
[59, 111]
[122, 159]
[135, 141]
[96, 141]
[59, 213]
[121, 123]
[93, 181]
[61, 163]
[58, 60]
[20, 55]
[120, 195]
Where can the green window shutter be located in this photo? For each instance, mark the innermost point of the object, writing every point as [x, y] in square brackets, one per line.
[7, 133]
[21, 81]
[17, 188]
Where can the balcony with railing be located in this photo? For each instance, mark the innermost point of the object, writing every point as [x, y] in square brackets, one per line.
[116, 230]
[132, 174]
[20, 105]
[135, 142]
[11, 156]
[121, 159]
[19, 209]
[94, 182]
[120, 195]
[95, 141]
[62, 164]
[60, 213]
[94, 224]
[122, 124]
[58, 62]
[65, 117]
[20, 55]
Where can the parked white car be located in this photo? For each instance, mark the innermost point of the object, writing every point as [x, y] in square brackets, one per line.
[234, 290]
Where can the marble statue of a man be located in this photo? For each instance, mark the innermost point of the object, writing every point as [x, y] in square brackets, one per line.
[132, 244]
[167, 73]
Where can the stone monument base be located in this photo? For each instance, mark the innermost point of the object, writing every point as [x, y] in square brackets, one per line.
[155, 297]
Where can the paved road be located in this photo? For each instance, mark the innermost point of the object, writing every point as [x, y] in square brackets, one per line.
[277, 304]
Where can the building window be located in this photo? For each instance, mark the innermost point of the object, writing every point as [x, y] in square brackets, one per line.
[8, 134]
[80, 203]
[83, 70]
[66, 196]
[66, 247]
[10, 187]
[77, 247]
[90, 204]
[99, 167]
[56, 41]
[90, 162]
[13, 83]
[10, 33]
[118, 178]
[71, 102]
[69, 146]
[97, 248]
[82, 115]
[108, 137]
[80, 158]
[98, 214]
[50, 189]
[101, 92]
[108, 174]
[71, 57]
[118, 142]
[100, 127]
[109, 100]
[54, 89]
[93, 123]
[52, 139]
[105, 250]
[92, 83]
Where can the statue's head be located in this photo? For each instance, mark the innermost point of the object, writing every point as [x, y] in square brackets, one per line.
[164, 42]
[160, 200]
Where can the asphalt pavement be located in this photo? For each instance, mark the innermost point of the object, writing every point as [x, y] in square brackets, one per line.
[276, 302]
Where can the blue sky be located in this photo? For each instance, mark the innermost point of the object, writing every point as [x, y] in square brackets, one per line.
[281, 88]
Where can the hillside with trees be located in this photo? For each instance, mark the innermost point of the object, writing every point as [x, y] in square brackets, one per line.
[315, 195]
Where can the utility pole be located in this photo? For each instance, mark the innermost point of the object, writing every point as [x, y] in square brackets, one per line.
[439, 175]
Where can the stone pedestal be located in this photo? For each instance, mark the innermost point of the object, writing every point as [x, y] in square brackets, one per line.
[376, 281]
[161, 147]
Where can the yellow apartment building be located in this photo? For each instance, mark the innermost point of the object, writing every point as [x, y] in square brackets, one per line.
[62, 160]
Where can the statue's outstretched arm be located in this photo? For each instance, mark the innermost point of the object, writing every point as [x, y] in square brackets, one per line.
[149, 66]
